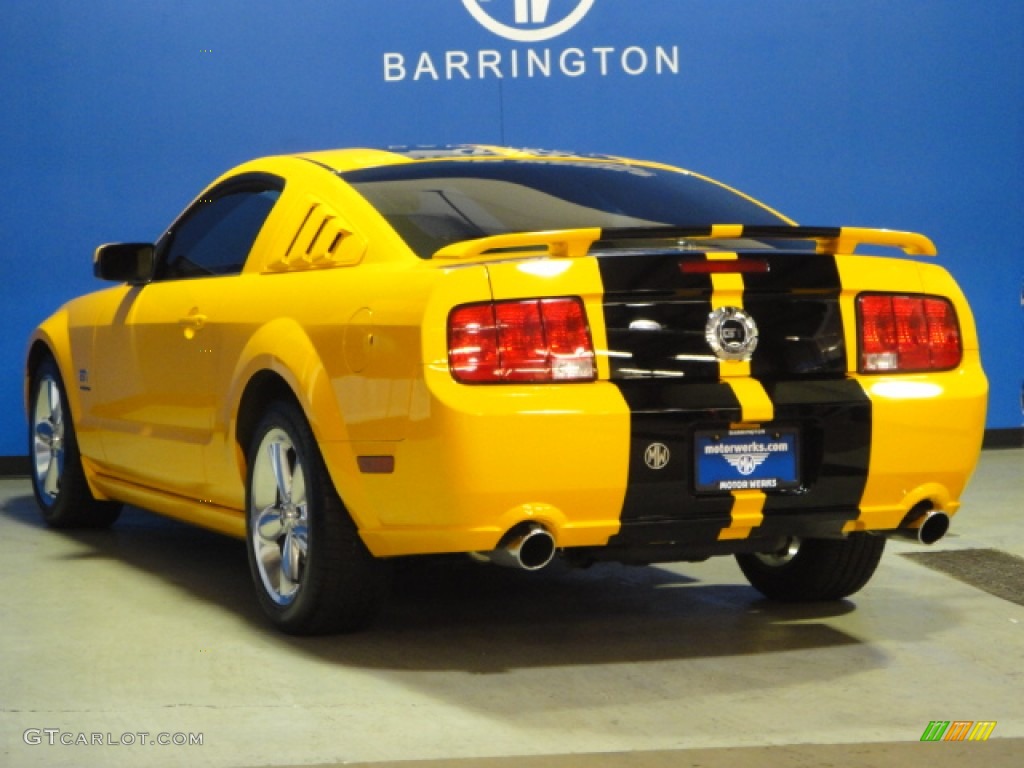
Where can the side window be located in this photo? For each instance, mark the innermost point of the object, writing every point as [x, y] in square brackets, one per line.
[215, 236]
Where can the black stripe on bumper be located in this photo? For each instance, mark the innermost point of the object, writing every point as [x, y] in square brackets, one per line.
[663, 517]
[668, 414]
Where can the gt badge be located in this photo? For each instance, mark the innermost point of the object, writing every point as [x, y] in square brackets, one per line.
[656, 456]
[731, 333]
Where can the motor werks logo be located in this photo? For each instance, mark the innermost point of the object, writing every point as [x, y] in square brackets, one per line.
[528, 22]
[532, 21]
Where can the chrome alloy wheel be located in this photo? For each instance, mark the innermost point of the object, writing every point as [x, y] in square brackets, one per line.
[48, 439]
[279, 517]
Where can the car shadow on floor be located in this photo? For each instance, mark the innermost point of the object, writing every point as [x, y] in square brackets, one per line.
[450, 613]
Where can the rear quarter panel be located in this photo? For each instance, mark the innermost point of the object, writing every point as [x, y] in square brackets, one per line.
[927, 428]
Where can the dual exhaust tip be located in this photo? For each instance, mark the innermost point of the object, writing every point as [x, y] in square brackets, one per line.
[528, 546]
[926, 528]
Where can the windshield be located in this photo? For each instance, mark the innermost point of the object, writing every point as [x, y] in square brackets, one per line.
[435, 204]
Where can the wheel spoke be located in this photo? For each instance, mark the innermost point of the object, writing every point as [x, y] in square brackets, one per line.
[43, 450]
[48, 437]
[300, 539]
[285, 586]
[282, 472]
[287, 571]
[291, 557]
[55, 405]
[269, 525]
[279, 532]
[269, 556]
[297, 488]
[51, 480]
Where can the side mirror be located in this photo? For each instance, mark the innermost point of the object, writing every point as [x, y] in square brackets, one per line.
[125, 262]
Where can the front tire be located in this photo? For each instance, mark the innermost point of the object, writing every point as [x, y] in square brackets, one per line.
[312, 572]
[58, 479]
[810, 570]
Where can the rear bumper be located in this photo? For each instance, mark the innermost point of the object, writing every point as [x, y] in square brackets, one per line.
[927, 437]
[480, 460]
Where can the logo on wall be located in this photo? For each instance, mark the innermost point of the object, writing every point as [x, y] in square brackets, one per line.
[532, 21]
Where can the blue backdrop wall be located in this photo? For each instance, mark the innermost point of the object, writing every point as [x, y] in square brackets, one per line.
[907, 114]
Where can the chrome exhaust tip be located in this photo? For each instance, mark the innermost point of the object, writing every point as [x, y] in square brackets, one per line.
[927, 528]
[529, 547]
[934, 526]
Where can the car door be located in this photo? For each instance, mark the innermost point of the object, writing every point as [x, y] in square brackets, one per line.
[154, 358]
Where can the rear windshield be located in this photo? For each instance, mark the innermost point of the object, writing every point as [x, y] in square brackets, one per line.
[434, 204]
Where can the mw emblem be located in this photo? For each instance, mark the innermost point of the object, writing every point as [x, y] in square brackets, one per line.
[746, 463]
[657, 456]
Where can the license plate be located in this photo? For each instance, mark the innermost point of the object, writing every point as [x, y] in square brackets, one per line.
[747, 459]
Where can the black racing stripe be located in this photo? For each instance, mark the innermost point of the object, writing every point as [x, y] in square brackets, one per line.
[800, 361]
[799, 337]
[711, 400]
[654, 272]
[834, 418]
[655, 314]
[662, 339]
[655, 317]
[659, 272]
[797, 271]
[816, 233]
[796, 307]
[751, 231]
[668, 413]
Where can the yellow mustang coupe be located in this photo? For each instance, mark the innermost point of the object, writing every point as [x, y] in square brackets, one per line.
[349, 356]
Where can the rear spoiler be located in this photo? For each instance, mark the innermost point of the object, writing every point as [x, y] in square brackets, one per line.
[573, 243]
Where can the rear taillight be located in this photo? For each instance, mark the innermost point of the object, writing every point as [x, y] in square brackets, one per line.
[907, 333]
[521, 341]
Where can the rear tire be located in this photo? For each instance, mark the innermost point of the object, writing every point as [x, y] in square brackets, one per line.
[312, 572]
[58, 479]
[809, 570]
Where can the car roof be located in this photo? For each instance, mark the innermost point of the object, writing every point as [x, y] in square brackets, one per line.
[343, 160]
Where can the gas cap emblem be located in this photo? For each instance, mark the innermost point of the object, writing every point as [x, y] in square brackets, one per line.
[731, 333]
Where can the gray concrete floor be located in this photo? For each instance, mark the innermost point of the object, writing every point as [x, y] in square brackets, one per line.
[152, 628]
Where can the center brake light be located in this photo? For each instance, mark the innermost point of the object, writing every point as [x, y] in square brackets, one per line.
[741, 266]
[536, 340]
[907, 333]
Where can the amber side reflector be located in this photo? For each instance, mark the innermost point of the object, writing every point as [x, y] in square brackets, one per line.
[724, 267]
[376, 465]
